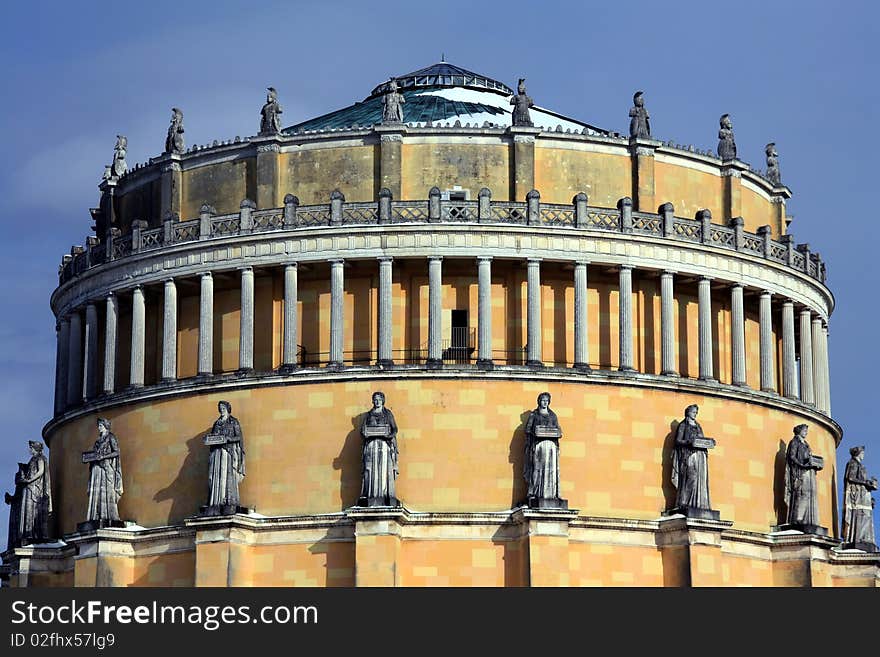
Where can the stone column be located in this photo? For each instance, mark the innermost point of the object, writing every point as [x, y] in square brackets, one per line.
[288, 359]
[581, 332]
[386, 326]
[169, 332]
[667, 325]
[533, 315]
[90, 364]
[826, 370]
[336, 312]
[704, 292]
[625, 325]
[74, 360]
[61, 362]
[768, 369]
[818, 365]
[435, 309]
[110, 344]
[246, 330]
[138, 337]
[807, 392]
[484, 311]
[206, 325]
[789, 375]
[737, 336]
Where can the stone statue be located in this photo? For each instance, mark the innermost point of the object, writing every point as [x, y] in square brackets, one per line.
[105, 479]
[801, 498]
[858, 506]
[541, 458]
[639, 123]
[392, 104]
[690, 467]
[31, 503]
[379, 466]
[726, 145]
[521, 104]
[270, 119]
[772, 164]
[119, 166]
[174, 140]
[226, 466]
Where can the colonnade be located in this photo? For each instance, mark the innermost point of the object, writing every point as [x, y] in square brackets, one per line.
[77, 371]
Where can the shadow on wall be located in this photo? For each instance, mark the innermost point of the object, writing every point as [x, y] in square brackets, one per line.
[516, 557]
[339, 560]
[179, 491]
[349, 463]
[516, 458]
[779, 484]
[669, 491]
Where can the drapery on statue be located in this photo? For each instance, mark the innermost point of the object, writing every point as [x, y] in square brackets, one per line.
[690, 467]
[174, 140]
[726, 145]
[772, 163]
[639, 123]
[270, 115]
[857, 529]
[119, 166]
[801, 493]
[379, 467]
[31, 503]
[541, 457]
[392, 104]
[521, 104]
[105, 479]
[226, 466]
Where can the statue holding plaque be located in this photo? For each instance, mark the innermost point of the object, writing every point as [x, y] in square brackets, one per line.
[521, 103]
[31, 503]
[541, 459]
[392, 104]
[858, 506]
[801, 493]
[105, 481]
[226, 467]
[690, 468]
[379, 466]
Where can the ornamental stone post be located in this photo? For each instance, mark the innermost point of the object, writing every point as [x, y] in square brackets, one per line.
[291, 203]
[484, 209]
[206, 213]
[533, 208]
[533, 315]
[385, 199]
[667, 214]
[434, 205]
[246, 216]
[764, 233]
[737, 224]
[336, 201]
[625, 205]
[580, 210]
[705, 219]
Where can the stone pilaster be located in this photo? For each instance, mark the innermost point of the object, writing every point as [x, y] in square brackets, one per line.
[667, 325]
[642, 154]
[74, 359]
[435, 310]
[246, 334]
[789, 365]
[807, 390]
[704, 296]
[533, 314]
[169, 332]
[268, 173]
[625, 323]
[767, 348]
[737, 336]
[386, 326]
[170, 185]
[206, 324]
[547, 536]
[138, 337]
[336, 312]
[62, 352]
[291, 295]
[731, 180]
[484, 311]
[523, 161]
[377, 546]
[90, 363]
[581, 332]
[390, 157]
[110, 338]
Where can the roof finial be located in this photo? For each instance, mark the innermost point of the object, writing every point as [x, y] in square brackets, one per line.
[443, 57]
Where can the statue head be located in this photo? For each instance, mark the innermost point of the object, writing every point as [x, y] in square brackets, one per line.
[224, 408]
[176, 115]
[857, 452]
[800, 430]
[725, 121]
[770, 149]
[121, 142]
[378, 399]
[103, 425]
[35, 446]
[392, 85]
[638, 99]
[521, 86]
[544, 400]
[691, 411]
[271, 95]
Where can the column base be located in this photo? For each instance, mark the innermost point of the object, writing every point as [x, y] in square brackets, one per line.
[384, 362]
[288, 368]
[381, 501]
[792, 397]
[209, 510]
[693, 512]
[534, 363]
[93, 525]
[335, 365]
[800, 527]
[708, 379]
[168, 379]
[204, 375]
[741, 384]
[434, 363]
[860, 545]
[627, 369]
[771, 391]
[669, 373]
[582, 367]
[485, 364]
[244, 371]
[134, 386]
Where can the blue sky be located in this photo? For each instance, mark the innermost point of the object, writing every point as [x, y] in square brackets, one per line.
[801, 74]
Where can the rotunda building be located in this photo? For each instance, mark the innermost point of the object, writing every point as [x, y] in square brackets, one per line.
[461, 249]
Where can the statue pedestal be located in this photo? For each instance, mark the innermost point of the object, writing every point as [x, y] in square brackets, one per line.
[694, 512]
[546, 503]
[806, 529]
[860, 545]
[94, 525]
[223, 510]
[383, 501]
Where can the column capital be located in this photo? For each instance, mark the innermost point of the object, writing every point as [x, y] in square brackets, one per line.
[245, 269]
[337, 261]
[168, 279]
[484, 258]
[581, 263]
[535, 260]
[435, 257]
[625, 267]
[737, 284]
[292, 264]
[385, 259]
[706, 278]
[788, 302]
[206, 274]
[668, 272]
[766, 293]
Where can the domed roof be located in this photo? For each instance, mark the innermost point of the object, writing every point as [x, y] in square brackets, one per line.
[443, 94]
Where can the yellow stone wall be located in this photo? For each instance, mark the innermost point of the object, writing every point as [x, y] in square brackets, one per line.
[470, 166]
[758, 211]
[223, 185]
[689, 190]
[313, 173]
[560, 173]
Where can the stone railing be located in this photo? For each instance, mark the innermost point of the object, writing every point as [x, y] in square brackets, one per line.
[575, 216]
